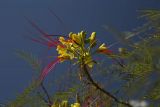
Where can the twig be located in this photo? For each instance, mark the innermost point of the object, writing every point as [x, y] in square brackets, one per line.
[42, 98]
[47, 94]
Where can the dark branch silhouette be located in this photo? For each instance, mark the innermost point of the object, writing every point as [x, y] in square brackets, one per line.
[92, 82]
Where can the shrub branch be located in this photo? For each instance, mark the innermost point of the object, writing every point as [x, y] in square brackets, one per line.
[90, 79]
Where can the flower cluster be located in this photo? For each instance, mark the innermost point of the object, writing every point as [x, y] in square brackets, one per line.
[74, 47]
[77, 46]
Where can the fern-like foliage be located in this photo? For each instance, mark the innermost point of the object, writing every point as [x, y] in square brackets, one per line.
[31, 59]
[143, 65]
[23, 98]
[153, 18]
[151, 15]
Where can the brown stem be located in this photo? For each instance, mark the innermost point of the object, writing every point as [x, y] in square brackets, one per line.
[101, 89]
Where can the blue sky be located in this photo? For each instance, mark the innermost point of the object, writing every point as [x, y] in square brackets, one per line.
[77, 15]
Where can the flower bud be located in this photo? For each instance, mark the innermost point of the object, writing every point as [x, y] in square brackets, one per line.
[92, 38]
[102, 47]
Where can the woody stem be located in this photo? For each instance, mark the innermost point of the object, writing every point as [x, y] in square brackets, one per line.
[90, 79]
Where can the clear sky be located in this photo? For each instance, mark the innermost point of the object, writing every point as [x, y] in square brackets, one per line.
[77, 15]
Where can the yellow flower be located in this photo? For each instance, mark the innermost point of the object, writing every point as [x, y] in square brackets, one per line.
[65, 42]
[102, 47]
[64, 54]
[88, 60]
[75, 105]
[62, 40]
[76, 38]
[82, 35]
[61, 50]
[92, 37]
[104, 50]
[64, 57]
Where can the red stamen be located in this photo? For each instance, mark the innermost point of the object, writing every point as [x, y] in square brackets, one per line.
[48, 68]
[38, 41]
[49, 41]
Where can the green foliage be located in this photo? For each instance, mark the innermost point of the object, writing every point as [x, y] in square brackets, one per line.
[68, 94]
[153, 17]
[23, 98]
[154, 92]
[143, 62]
[31, 59]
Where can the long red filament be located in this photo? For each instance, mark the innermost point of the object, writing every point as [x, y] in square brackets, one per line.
[48, 68]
